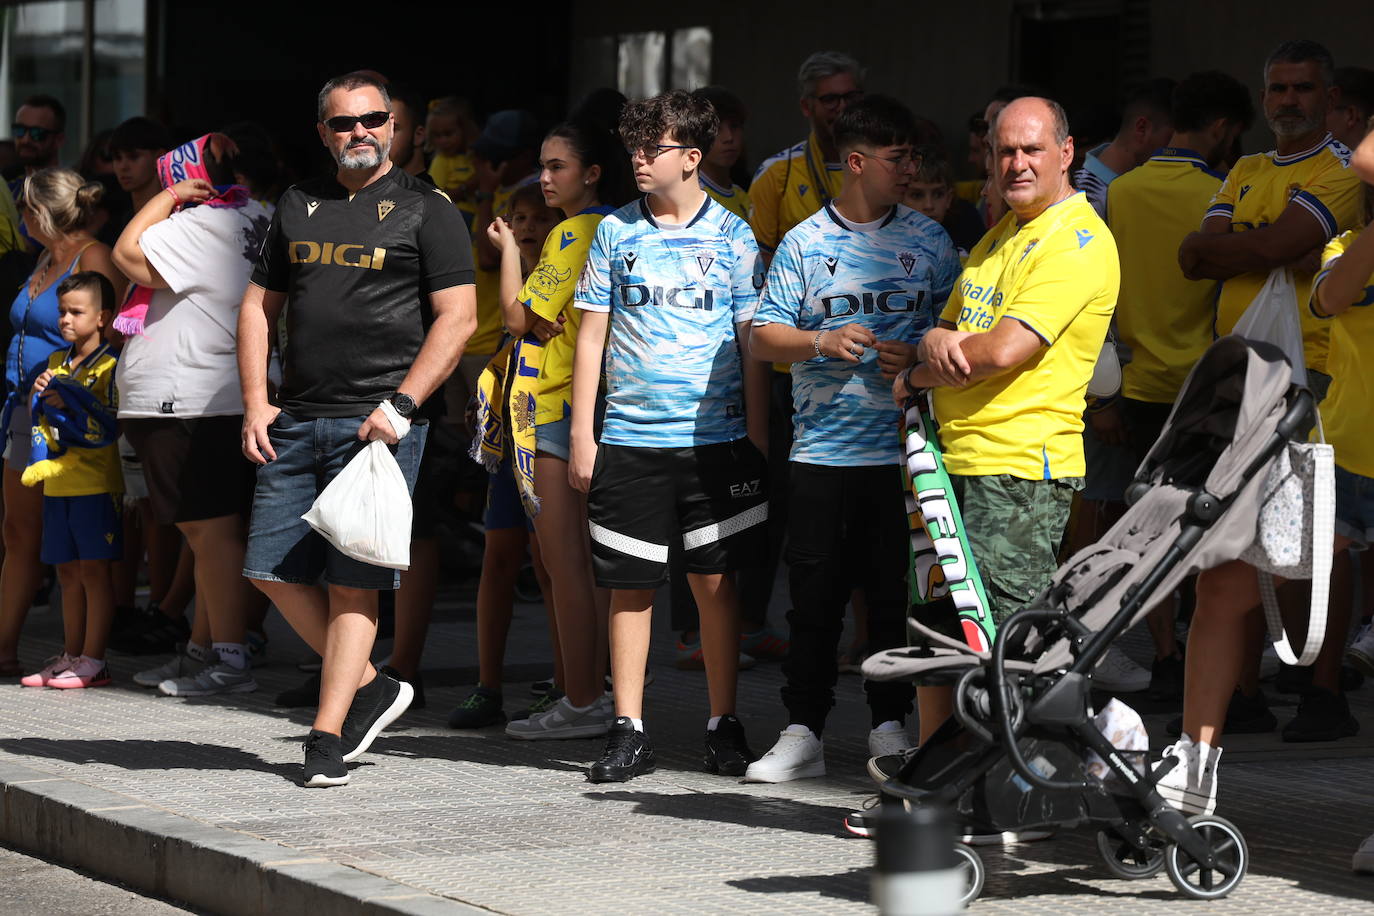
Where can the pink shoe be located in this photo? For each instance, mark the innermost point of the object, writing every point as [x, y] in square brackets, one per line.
[56, 665]
[75, 676]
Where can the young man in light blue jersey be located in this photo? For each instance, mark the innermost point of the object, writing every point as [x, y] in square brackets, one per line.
[850, 293]
[673, 278]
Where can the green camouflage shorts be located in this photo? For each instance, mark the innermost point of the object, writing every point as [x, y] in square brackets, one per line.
[1015, 528]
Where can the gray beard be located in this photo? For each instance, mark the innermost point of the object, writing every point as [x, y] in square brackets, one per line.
[1289, 128]
[363, 157]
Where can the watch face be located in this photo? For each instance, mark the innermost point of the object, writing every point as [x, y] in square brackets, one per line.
[404, 404]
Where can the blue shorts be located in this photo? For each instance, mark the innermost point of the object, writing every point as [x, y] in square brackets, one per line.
[552, 437]
[83, 528]
[1355, 507]
[504, 509]
[282, 547]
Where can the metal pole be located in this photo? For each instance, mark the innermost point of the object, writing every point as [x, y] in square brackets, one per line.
[87, 71]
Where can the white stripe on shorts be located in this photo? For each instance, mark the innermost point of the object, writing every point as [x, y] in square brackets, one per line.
[719, 531]
[645, 550]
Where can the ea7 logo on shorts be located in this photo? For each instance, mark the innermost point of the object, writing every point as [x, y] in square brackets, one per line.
[748, 488]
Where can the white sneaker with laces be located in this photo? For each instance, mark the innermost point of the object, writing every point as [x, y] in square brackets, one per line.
[1191, 786]
[1363, 859]
[797, 755]
[885, 740]
[1116, 672]
[563, 720]
[1361, 652]
[181, 665]
[212, 679]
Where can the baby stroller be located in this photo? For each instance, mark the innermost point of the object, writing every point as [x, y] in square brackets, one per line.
[1012, 757]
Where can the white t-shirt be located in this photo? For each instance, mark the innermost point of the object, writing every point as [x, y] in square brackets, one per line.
[185, 364]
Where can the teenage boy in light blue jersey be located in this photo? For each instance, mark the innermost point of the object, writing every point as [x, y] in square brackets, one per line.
[674, 278]
[851, 292]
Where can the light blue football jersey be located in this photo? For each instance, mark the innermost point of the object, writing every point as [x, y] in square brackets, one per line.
[894, 279]
[675, 294]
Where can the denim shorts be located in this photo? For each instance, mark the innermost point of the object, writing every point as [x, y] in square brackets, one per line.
[1355, 507]
[282, 547]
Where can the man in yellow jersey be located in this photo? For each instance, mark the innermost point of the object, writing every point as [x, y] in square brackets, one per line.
[1278, 208]
[1010, 362]
[798, 181]
[1163, 318]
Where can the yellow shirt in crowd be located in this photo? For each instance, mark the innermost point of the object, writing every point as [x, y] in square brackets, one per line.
[1262, 186]
[486, 340]
[1058, 274]
[788, 188]
[1166, 319]
[1346, 410]
[548, 290]
[734, 198]
[96, 470]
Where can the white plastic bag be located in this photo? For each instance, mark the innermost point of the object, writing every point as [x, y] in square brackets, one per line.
[365, 511]
[1272, 317]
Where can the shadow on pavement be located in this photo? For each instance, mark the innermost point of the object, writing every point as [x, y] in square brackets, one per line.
[137, 754]
[733, 808]
[848, 885]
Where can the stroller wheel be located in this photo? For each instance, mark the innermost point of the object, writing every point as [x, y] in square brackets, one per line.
[1125, 861]
[1229, 850]
[972, 866]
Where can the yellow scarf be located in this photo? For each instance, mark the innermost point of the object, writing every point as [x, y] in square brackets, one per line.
[510, 380]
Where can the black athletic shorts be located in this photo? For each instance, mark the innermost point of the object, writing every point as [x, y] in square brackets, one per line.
[713, 498]
[194, 467]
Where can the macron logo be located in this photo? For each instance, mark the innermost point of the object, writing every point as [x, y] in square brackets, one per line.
[1244, 189]
[1084, 237]
[567, 239]
[630, 261]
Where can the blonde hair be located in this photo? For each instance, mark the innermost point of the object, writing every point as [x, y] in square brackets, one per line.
[62, 201]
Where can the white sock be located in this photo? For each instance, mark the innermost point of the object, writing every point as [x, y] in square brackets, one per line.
[891, 725]
[232, 654]
[85, 665]
[197, 651]
[712, 722]
[638, 724]
[805, 728]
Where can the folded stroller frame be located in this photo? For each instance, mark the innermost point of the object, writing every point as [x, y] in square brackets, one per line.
[1011, 758]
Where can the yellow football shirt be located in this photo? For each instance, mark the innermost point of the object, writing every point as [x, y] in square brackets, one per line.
[1262, 186]
[1058, 274]
[734, 198]
[486, 339]
[548, 290]
[1345, 412]
[788, 188]
[1165, 318]
[97, 470]
[449, 174]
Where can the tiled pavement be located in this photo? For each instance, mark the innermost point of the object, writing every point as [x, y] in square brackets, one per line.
[512, 827]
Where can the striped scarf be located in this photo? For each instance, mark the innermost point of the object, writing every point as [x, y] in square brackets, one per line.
[506, 394]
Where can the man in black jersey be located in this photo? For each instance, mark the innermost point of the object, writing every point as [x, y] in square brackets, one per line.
[377, 266]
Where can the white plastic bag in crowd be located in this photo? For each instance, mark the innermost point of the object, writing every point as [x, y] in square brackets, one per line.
[1272, 317]
[365, 511]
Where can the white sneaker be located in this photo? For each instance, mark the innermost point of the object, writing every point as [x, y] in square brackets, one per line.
[1116, 672]
[797, 755]
[885, 741]
[212, 679]
[1361, 652]
[1005, 838]
[181, 665]
[1363, 859]
[563, 720]
[1191, 786]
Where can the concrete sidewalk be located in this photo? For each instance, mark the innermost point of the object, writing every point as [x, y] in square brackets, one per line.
[199, 800]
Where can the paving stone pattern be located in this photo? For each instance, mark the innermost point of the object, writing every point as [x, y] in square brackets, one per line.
[514, 827]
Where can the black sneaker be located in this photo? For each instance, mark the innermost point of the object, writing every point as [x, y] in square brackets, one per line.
[1244, 716]
[1322, 716]
[324, 764]
[628, 754]
[727, 749]
[417, 683]
[481, 708]
[374, 708]
[1166, 679]
[153, 634]
[305, 695]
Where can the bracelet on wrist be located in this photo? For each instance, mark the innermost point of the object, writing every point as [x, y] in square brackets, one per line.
[816, 345]
[172, 191]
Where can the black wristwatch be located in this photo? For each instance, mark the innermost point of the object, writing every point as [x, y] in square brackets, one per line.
[405, 405]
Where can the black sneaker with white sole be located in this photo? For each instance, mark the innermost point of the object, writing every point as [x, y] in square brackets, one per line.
[324, 764]
[374, 708]
[727, 749]
[628, 754]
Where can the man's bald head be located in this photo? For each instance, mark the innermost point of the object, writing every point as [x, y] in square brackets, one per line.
[1032, 152]
[1041, 108]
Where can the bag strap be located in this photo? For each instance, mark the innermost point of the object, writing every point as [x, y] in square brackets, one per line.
[1323, 538]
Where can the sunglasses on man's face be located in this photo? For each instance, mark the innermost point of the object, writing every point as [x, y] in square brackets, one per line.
[38, 134]
[344, 124]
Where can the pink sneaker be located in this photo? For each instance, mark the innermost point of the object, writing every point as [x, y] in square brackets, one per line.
[81, 674]
[56, 665]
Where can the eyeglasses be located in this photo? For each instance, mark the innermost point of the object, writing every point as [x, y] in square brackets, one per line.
[836, 99]
[650, 153]
[344, 124]
[900, 161]
[38, 134]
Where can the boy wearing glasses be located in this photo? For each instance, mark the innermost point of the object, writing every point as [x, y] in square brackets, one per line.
[850, 293]
[673, 277]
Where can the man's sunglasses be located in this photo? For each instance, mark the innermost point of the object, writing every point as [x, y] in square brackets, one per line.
[39, 134]
[344, 124]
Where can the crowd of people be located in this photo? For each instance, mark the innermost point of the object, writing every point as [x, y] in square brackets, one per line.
[671, 374]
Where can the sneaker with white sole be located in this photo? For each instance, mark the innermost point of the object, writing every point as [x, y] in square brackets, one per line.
[209, 681]
[51, 668]
[1363, 859]
[563, 720]
[1191, 786]
[799, 754]
[181, 665]
[1116, 672]
[884, 741]
[1360, 654]
[1005, 838]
